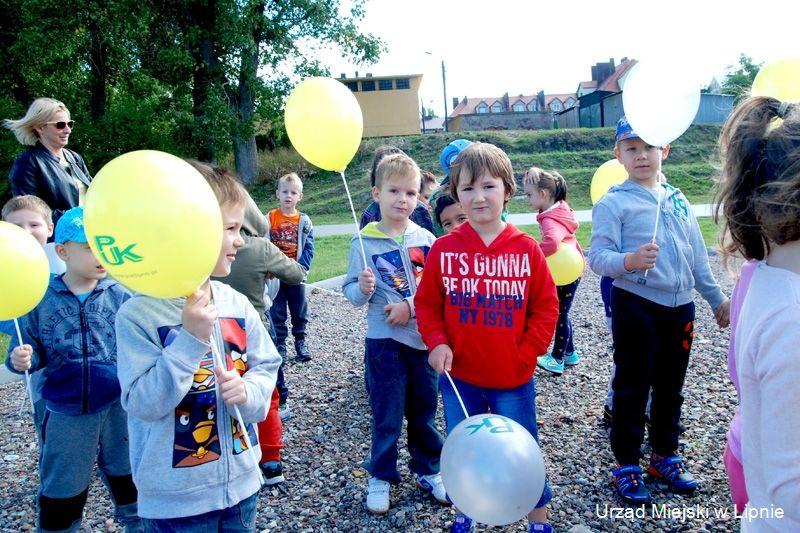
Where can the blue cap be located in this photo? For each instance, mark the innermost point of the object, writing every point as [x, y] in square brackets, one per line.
[624, 130]
[450, 152]
[70, 227]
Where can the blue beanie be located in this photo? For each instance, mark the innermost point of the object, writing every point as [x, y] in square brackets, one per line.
[450, 152]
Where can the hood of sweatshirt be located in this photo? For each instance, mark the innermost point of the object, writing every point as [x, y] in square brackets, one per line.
[561, 213]
[469, 239]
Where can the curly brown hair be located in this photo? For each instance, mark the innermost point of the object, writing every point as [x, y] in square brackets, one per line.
[758, 194]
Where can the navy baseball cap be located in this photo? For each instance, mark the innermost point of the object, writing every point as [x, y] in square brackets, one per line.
[70, 227]
[450, 153]
[624, 130]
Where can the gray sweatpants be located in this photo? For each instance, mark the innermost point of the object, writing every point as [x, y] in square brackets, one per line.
[71, 443]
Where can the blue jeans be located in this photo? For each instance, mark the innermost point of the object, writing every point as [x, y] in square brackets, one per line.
[238, 518]
[280, 384]
[562, 344]
[401, 382]
[293, 297]
[518, 404]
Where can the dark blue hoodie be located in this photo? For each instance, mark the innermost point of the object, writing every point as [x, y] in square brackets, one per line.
[75, 344]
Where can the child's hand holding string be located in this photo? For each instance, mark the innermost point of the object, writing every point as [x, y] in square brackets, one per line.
[642, 259]
[366, 282]
[441, 359]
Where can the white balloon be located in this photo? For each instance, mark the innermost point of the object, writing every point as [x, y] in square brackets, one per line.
[660, 100]
[493, 469]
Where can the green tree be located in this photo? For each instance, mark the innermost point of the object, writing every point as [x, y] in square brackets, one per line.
[739, 78]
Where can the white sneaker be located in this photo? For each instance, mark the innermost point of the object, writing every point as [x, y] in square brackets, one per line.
[378, 496]
[433, 484]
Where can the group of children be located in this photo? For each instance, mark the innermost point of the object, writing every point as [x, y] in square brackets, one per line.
[156, 390]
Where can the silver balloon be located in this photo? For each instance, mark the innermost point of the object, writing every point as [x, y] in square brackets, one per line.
[493, 469]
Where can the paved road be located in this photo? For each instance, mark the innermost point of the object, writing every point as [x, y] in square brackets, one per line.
[519, 219]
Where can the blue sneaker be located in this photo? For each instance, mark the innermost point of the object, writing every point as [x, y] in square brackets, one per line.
[630, 484]
[462, 524]
[551, 364]
[670, 469]
[571, 359]
[540, 527]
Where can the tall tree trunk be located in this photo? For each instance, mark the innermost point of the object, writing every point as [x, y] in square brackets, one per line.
[98, 63]
[202, 21]
[245, 152]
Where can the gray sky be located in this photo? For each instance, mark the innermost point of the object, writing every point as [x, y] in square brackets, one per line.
[490, 47]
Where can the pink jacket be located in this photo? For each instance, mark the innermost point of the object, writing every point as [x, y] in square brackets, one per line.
[558, 224]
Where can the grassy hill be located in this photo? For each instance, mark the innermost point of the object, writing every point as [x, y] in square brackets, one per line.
[575, 153]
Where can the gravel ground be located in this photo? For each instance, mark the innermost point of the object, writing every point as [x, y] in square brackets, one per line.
[327, 440]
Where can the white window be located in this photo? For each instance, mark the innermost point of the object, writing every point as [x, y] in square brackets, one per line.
[482, 108]
[555, 105]
[532, 106]
[519, 107]
[570, 103]
[497, 108]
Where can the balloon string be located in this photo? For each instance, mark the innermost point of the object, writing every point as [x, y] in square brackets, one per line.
[658, 210]
[220, 362]
[355, 220]
[27, 374]
[460, 401]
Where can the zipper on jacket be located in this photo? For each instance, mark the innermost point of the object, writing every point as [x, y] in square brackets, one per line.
[85, 350]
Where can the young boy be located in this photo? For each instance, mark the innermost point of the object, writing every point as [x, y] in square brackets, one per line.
[429, 184]
[372, 213]
[70, 336]
[653, 309]
[189, 455]
[447, 213]
[34, 216]
[399, 380]
[255, 261]
[487, 306]
[292, 232]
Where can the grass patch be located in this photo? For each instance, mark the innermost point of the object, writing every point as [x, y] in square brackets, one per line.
[4, 340]
[330, 257]
[330, 253]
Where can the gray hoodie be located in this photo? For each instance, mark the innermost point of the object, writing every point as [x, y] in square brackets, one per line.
[624, 219]
[188, 455]
[398, 270]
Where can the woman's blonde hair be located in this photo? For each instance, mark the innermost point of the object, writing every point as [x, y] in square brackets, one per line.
[38, 114]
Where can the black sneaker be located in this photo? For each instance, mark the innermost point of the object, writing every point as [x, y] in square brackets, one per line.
[303, 355]
[273, 472]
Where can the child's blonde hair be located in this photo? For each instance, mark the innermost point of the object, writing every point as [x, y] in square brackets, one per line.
[29, 202]
[478, 158]
[291, 177]
[396, 164]
[223, 182]
[552, 182]
[38, 115]
[758, 196]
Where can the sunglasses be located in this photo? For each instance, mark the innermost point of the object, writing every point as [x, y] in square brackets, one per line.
[60, 125]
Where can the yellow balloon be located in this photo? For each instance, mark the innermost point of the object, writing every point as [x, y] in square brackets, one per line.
[607, 175]
[566, 265]
[154, 223]
[779, 79]
[24, 271]
[324, 122]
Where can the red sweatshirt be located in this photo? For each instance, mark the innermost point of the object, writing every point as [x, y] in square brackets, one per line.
[496, 306]
[558, 224]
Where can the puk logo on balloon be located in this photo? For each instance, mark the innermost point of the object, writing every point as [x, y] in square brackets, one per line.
[114, 255]
[494, 424]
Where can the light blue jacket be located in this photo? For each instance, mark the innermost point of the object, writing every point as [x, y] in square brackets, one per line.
[398, 270]
[624, 219]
